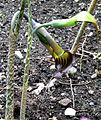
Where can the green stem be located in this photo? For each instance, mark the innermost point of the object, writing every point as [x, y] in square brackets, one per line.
[60, 23]
[26, 69]
[57, 49]
[81, 30]
[10, 76]
[20, 16]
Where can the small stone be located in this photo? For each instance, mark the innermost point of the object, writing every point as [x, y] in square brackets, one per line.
[91, 92]
[24, 60]
[19, 54]
[79, 78]
[26, 34]
[2, 95]
[52, 107]
[97, 71]
[25, 50]
[82, 6]
[29, 88]
[39, 89]
[33, 47]
[52, 67]
[72, 70]
[88, 28]
[64, 101]
[54, 118]
[90, 34]
[51, 83]
[94, 76]
[76, 0]
[70, 112]
[52, 98]
[50, 114]
[2, 76]
[0, 107]
[2, 60]
[63, 94]
[91, 103]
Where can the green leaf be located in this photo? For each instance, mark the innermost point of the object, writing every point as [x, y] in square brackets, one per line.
[14, 20]
[87, 17]
[60, 23]
[82, 16]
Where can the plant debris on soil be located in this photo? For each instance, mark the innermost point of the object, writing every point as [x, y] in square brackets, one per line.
[45, 105]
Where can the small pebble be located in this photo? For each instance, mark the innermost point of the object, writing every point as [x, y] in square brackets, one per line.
[24, 60]
[94, 76]
[39, 89]
[0, 107]
[29, 88]
[52, 98]
[19, 54]
[52, 67]
[91, 92]
[88, 28]
[72, 70]
[50, 114]
[63, 94]
[54, 118]
[2, 95]
[79, 78]
[90, 34]
[51, 83]
[25, 50]
[82, 6]
[2, 75]
[70, 112]
[76, 0]
[91, 103]
[26, 34]
[64, 101]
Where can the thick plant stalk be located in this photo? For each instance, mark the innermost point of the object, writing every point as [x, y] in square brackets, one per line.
[10, 75]
[62, 58]
[26, 70]
[45, 38]
[10, 78]
[83, 25]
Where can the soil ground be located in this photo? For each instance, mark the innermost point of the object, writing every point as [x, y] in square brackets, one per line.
[46, 105]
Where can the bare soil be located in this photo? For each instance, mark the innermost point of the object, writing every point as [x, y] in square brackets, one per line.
[46, 105]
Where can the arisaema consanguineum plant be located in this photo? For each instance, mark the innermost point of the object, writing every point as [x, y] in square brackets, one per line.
[13, 36]
[26, 69]
[63, 58]
[61, 23]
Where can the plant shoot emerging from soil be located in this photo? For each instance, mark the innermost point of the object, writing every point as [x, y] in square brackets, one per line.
[63, 59]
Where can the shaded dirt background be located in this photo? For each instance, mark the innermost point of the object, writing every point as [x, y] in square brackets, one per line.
[45, 105]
